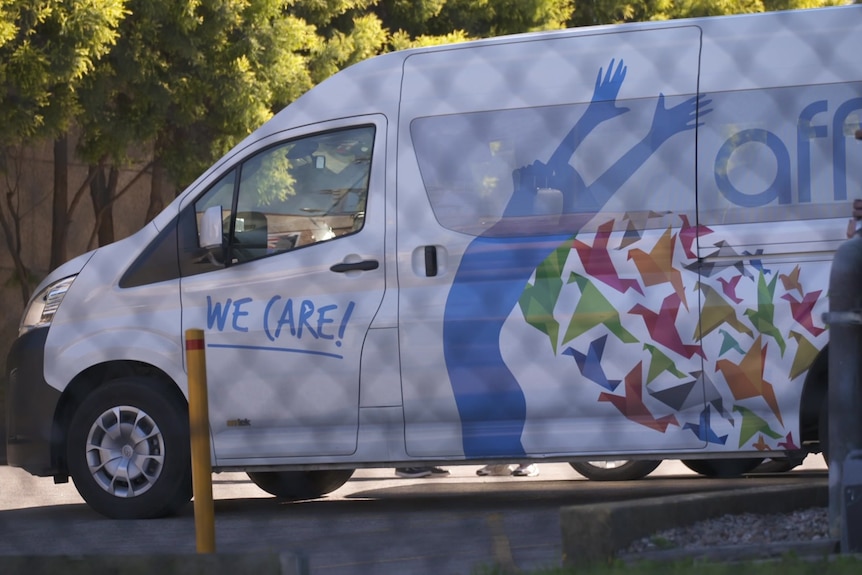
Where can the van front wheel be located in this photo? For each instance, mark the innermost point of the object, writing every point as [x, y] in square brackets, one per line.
[296, 485]
[128, 450]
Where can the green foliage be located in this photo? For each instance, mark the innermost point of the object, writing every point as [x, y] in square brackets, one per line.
[47, 48]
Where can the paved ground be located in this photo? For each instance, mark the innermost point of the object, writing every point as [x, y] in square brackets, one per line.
[20, 490]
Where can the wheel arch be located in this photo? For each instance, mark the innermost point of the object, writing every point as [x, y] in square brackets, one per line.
[83, 385]
[813, 394]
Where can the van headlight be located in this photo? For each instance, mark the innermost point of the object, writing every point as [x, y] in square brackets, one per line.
[42, 308]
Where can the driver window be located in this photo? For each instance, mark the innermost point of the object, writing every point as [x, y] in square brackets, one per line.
[296, 194]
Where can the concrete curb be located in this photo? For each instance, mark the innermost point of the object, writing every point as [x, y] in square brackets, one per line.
[594, 534]
[205, 564]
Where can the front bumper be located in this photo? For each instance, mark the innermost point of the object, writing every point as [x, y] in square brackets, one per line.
[30, 407]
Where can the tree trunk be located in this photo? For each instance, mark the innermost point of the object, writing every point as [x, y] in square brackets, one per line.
[60, 215]
[102, 191]
[158, 185]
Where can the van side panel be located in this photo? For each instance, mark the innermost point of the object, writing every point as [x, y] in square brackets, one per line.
[532, 155]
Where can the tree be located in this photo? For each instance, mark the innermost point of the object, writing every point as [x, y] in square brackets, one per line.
[473, 18]
[46, 49]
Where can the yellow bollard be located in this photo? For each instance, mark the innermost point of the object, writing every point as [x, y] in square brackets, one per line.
[199, 427]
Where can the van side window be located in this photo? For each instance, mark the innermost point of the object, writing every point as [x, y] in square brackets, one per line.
[535, 171]
[295, 194]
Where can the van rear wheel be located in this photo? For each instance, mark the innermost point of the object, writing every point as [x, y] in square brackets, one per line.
[723, 468]
[617, 470]
[128, 450]
[296, 485]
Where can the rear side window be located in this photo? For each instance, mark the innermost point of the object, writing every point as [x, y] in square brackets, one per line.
[544, 170]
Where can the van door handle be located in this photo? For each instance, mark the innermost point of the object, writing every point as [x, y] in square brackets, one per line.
[364, 265]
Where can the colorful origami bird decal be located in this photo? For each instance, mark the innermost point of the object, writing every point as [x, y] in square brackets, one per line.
[805, 354]
[590, 363]
[801, 311]
[539, 298]
[689, 233]
[704, 431]
[729, 288]
[745, 379]
[762, 318]
[662, 326]
[791, 281]
[757, 263]
[594, 309]
[725, 250]
[660, 363]
[632, 406]
[788, 443]
[716, 312]
[637, 222]
[597, 261]
[656, 266]
[729, 343]
[752, 424]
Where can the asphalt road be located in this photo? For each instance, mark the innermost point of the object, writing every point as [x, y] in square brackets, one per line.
[375, 523]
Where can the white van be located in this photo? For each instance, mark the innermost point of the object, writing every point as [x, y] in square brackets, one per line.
[602, 243]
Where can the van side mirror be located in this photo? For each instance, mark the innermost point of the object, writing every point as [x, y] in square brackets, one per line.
[211, 235]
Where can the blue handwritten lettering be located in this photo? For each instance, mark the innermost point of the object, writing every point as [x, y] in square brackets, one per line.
[306, 310]
[216, 313]
[286, 319]
[238, 313]
[269, 305]
[322, 320]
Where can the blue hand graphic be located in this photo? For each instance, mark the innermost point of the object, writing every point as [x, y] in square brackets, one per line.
[495, 268]
[669, 121]
[603, 106]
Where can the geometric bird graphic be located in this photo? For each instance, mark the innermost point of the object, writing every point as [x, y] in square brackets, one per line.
[745, 379]
[711, 395]
[801, 311]
[703, 431]
[637, 222]
[660, 363]
[761, 445]
[632, 406]
[594, 309]
[791, 281]
[717, 312]
[680, 397]
[590, 363]
[788, 443]
[725, 250]
[752, 424]
[689, 233]
[656, 267]
[729, 288]
[538, 299]
[728, 343]
[763, 317]
[805, 354]
[662, 326]
[757, 264]
[597, 261]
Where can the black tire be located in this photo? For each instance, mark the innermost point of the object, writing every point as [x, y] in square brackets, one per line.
[623, 470]
[778, 465]
[142, 472]
[296, 485]
[723, 468]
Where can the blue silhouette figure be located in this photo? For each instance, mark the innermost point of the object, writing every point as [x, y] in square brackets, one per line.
[497, 265]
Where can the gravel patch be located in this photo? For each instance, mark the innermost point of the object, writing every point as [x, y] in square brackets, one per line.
[806, 525]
